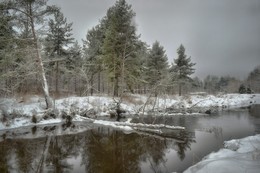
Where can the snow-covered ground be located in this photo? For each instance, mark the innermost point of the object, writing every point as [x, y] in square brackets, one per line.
[238, 155]
[241, 155]
[14, 113]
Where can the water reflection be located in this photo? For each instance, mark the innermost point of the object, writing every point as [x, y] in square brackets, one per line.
[255, 110]
[103, 149]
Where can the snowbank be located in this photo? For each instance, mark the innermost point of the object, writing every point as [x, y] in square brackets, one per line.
[14, 113]
[238, 155]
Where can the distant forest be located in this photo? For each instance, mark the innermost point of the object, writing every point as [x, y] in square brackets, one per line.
[38, 55]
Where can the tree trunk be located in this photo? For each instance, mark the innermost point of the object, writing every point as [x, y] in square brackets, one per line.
[91, 85]
[99, 80]
[116, 83]
[57, 79]
[48, 100]
[180, 89]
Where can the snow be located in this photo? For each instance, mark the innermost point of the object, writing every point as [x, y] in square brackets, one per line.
[113, 124]
[128, 126]
[238, 155]
[20, 113]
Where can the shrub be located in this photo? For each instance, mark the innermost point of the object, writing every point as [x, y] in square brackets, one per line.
[34, 119]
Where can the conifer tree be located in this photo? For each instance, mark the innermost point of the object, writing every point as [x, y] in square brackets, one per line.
[120, 43]
[73, 64]
[253, 79]
[92, 50]
[182, 68]
[33, 13]
[58, 37]
[157, 65]
[6, 49]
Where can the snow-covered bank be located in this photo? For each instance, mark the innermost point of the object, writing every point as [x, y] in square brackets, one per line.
[15, 113]
[238, 155]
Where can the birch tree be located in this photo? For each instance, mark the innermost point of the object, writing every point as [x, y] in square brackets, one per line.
[34, 12]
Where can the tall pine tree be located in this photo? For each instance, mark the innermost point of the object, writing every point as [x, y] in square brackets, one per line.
[157, 65]
[182, 68]
[59, 35]
[120, 43]
[7, 42]
[92, 50]
[57, 40]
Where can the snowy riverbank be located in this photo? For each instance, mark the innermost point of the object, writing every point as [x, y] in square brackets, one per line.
[19, 112]
[238, 155]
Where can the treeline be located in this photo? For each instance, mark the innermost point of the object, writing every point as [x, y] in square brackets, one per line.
[39, 54]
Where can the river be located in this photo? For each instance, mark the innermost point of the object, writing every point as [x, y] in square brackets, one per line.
[61, 148]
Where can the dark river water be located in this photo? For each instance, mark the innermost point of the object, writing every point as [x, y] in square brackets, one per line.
[99, 149]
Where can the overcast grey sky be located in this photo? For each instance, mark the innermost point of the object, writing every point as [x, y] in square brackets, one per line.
[221, 36]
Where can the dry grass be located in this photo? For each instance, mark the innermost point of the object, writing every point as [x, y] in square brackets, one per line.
[132, 99]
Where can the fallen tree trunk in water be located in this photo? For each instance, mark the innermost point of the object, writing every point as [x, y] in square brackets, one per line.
[161, 130]
[138, 125]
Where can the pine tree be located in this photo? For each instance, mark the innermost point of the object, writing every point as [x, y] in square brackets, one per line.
[59, 35]
[253, 79]
[7, 36]
[33, 12]
[157, 65]
[6, 30]
[182, 68]
[74, 59]
[74, 63]
[211, 83]
[58, 38]
[120, 43]
[92, 49]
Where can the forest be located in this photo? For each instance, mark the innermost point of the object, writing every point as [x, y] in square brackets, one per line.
[113, 103]
[38, 55]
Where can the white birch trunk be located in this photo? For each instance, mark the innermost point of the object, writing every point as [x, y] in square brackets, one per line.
[48, 100]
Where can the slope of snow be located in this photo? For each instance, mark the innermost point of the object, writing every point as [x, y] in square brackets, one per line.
[113, 124]
[238, 155]
[20, 114]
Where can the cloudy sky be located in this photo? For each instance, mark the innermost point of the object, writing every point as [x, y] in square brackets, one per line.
[221, 36]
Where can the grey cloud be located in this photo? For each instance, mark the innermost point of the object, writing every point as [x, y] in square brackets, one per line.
[221, 36]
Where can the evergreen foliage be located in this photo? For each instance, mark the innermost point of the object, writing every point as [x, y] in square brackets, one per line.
[58, 36]
[157, 64]
[182, 68]
[242, 89]
[253, 79]
[92, 50]
[29, 15]
[120, 43]
[56, 42]
[112, 60]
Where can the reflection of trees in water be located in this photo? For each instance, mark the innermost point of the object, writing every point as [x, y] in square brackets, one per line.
[254, 112]
[24, 155]
[24, 152]
[28, 154]
[61, 148]
[154, 152]
[5, 149]
[111, 151]
[101, 150]
[182, 146]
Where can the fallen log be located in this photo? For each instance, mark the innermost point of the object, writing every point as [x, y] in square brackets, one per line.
[138, 125]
